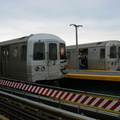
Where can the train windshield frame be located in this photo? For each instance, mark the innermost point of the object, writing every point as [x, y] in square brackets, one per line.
[39, 51]
[62, 51]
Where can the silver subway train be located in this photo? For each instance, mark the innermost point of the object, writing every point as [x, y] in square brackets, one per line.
[33, 58]
[97, 56]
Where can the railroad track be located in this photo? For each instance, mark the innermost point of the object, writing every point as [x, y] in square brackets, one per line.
[16, 112]
[32, 110]
[64, 99]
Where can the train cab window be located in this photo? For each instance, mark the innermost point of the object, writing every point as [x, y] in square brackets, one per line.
[113, 52]
[53, 51]
[102, 53]
[39, 51]
[62, 51]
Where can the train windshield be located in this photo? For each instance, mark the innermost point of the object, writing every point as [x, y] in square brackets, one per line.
[113, 51]
[62, 51]
[53, 51]
[39, 51]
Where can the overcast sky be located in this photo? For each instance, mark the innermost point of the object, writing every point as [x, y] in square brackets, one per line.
[100, 19]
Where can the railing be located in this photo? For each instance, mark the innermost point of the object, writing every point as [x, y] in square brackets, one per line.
[99, 103]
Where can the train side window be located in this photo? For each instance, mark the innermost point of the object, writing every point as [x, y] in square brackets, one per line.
[102, 53]
[53, 51]
[39, 51]
[24, 51]
[113, 52]
[62, 51]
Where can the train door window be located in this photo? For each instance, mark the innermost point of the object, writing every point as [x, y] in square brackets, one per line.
[102, 53]
[62, 51]
[24, 51]
[53, 51]
[39, 51]
[113, 52]
[7, 54]
[3, 54]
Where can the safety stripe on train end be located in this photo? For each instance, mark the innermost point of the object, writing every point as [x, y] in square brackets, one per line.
[110, 104]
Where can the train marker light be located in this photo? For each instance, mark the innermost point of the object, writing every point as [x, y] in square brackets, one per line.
[37, 69]
[65, 67]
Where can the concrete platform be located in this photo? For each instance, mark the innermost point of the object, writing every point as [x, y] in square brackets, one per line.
[94, 75]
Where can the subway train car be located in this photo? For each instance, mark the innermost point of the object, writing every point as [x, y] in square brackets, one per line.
[97, 56]
[33, 58]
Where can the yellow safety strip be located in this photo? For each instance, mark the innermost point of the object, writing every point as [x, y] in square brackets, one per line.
[95, 70]
[94, 77]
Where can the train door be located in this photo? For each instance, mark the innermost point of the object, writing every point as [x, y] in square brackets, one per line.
[53, 63]
[113, 61]
[96, 58]
[102, 58]
[5, 61]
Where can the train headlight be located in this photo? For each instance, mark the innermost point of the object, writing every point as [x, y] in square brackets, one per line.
[43, 68]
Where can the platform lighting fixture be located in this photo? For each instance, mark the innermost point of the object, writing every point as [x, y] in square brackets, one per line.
[76, 26]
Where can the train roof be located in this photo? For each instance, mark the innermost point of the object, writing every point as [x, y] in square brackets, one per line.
[16, 40]
[40, 36]
[46, 37]
[94, 44]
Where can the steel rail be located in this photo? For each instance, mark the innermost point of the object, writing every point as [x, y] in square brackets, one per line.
[60, 113]
[19, 113]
